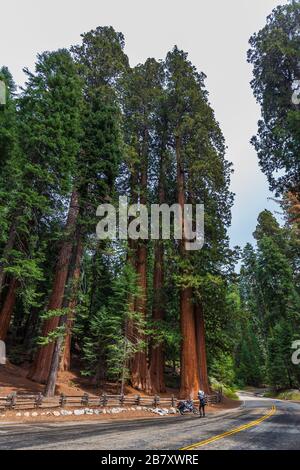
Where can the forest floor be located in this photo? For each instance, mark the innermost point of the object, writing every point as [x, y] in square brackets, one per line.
[13, 379]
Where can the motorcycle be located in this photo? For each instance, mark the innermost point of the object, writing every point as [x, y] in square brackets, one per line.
[187, 406]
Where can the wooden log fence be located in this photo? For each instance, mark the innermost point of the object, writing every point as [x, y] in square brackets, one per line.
[15, 401]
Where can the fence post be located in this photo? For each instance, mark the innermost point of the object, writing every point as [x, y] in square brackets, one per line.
[156, 400]
[85, 399]
[137, 399]
[38, 400]
[173, 401]
[103, 399]
[122, 399]
[62, 400]
[12, 400]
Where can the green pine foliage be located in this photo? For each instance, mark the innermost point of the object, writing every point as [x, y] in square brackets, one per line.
[274, 54]
[269, 287]
[87, 122]
[107, 348]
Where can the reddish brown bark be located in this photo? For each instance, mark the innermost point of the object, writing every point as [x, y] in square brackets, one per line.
[156, 351]
[189, 385]
[66, 356]
[68, 302]
[7, 309]
[139, 366]
[40, 368]
[201, 348]
[65, 363]
[157, 383]
[189, 375]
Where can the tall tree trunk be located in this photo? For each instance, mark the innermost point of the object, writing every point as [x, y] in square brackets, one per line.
[66, 356]
[68, 302]
[139, 369]
[129, 324]
[40, 368]
[201, 348]
[7, 308]
[188, 368]
[139, 366]
[157, 382]
[189, 376]
[30, 327]
[131, 260]
[9, 245]
[54, 365]
[156, 353]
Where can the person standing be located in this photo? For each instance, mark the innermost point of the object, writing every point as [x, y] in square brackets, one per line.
[202, 403]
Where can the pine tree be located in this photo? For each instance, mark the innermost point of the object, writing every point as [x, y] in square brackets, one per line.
[50, 111]
[274, 55]
[141, 90]
[10, 169]
[202, 175]
[270, 297]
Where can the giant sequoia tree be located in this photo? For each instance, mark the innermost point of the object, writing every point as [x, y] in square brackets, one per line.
[87, 128]
[202, 176]
[141, 91]
[98, 156]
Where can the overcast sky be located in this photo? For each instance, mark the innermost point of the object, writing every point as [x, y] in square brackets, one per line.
[215, 33]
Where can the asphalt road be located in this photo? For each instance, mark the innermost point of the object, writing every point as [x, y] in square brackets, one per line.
[257, 424]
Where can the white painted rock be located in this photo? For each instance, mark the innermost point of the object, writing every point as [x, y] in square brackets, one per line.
[18, 414]
[56, 413]
[159, 411]
[78, 412]
[26, 414]
[115, 410]
[66, 412]
[34, 414]
[88, 411]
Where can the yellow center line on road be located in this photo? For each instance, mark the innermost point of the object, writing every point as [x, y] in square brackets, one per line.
[232, 431]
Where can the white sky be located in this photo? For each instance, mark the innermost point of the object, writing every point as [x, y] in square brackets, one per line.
[215, 33]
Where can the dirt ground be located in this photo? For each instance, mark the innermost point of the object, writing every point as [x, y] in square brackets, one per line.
[13, 379]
